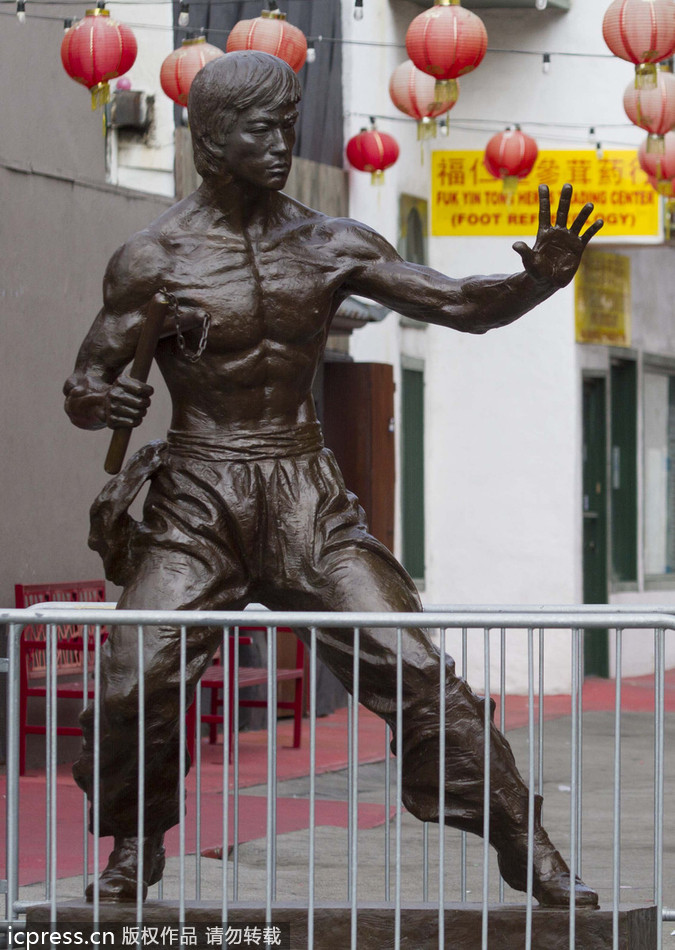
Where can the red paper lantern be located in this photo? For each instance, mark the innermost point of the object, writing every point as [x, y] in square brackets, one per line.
[180, 67]
[372, 151]
[660, 167]
[652, 109]
[413, 92]
[96, 50]
[446, 42]
[642, 32]
[270, 33]
[510, 156]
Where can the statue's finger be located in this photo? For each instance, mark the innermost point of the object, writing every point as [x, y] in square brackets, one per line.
[526, 254]
[590, 231]
[581, 218]
[564, 206]
[544, 208]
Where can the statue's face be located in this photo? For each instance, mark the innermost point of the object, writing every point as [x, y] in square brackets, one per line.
[259, 145]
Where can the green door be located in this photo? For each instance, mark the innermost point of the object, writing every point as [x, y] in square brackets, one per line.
[596, 656]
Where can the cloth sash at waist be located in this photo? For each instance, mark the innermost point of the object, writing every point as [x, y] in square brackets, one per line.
[261, 443]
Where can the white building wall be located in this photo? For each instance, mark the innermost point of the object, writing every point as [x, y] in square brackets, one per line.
[146, 163]
[503, 411]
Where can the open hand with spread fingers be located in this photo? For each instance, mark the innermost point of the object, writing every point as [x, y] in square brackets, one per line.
[557, 249]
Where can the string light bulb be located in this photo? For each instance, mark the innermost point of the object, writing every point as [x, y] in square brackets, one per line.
[541, 4]
[311, 53]
[546, 64]
[358, 9]
[184, 14]
[21, 11]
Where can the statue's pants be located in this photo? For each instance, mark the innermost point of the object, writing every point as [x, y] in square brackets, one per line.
[219, 533]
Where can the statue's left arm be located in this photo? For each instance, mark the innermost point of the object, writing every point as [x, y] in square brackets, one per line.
[476, 304]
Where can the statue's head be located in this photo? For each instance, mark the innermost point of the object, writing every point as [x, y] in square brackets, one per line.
[225, 88]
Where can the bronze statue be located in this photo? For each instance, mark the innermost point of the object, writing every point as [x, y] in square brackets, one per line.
[245, 503]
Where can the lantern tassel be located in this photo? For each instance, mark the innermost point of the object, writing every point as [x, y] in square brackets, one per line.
[377, 177]
[510, 186]
[656, 144]
[426, 129]
[645, 76]
[100, 95]
[446, 90]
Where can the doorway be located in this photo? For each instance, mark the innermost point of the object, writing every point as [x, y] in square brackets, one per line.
[594, 475]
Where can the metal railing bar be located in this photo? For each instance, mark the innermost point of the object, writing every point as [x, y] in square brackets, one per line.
[580, 754]
[540, 732]
[502, 713]
[96, 791]
[659, 777]
[225, 837]
[197, 738]
[353, 805]
[85, 694]
[182, 712]
[271, 732]
[387, 810]
[141, 775]
[486, 789]
[616, 862]
[350, 788]
[441, 787]
[272, 701]
[463, 836]
[312, 790]
[399, 785]
[576, 633]
[13, 657]
[530, 787]
[567, 618]
[51, 765]
[235, 768]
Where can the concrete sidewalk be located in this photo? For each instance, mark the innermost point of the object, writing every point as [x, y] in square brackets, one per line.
[332, 844]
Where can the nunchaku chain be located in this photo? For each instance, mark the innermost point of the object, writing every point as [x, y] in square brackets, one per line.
[192, 357]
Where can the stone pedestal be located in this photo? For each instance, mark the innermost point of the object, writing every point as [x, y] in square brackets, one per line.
[638, 925]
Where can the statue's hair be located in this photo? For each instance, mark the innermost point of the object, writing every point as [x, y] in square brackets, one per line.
[226, 87]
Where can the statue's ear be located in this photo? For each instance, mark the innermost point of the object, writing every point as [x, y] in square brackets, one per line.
[208, 157]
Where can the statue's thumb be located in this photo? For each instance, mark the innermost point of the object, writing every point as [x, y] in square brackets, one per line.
[525, 252]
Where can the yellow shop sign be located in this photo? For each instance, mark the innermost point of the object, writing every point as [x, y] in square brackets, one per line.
[467, 201]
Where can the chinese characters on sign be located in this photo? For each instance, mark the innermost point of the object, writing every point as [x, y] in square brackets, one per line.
[467, 201]
[602, 299]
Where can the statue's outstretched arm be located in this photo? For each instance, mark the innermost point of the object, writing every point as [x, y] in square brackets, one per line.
[476, 304]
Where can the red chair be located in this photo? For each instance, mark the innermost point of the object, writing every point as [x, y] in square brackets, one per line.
[248, 676]
[73, 654]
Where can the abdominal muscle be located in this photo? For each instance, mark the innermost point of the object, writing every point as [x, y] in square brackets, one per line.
[267, 386]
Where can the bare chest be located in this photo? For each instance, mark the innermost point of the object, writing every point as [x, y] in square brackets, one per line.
[277, 291]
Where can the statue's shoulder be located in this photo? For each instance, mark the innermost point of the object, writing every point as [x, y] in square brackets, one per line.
[326, 225]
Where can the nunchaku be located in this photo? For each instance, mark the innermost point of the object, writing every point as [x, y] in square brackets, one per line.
[140, 369]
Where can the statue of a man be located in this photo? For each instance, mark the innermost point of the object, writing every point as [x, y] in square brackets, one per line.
[245, 503]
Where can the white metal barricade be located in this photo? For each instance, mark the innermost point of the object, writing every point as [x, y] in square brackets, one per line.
[451, 865]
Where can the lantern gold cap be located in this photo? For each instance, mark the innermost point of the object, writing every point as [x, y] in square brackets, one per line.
[98, 12]
[272, 15]
[193, 40]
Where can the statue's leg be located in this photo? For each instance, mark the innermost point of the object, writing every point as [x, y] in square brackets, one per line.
[347, 569]
[181, 557]
[168, 583]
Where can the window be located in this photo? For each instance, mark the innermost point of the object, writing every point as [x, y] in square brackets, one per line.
[659, 473]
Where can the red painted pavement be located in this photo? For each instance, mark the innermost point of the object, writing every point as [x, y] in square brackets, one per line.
[292, 814]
